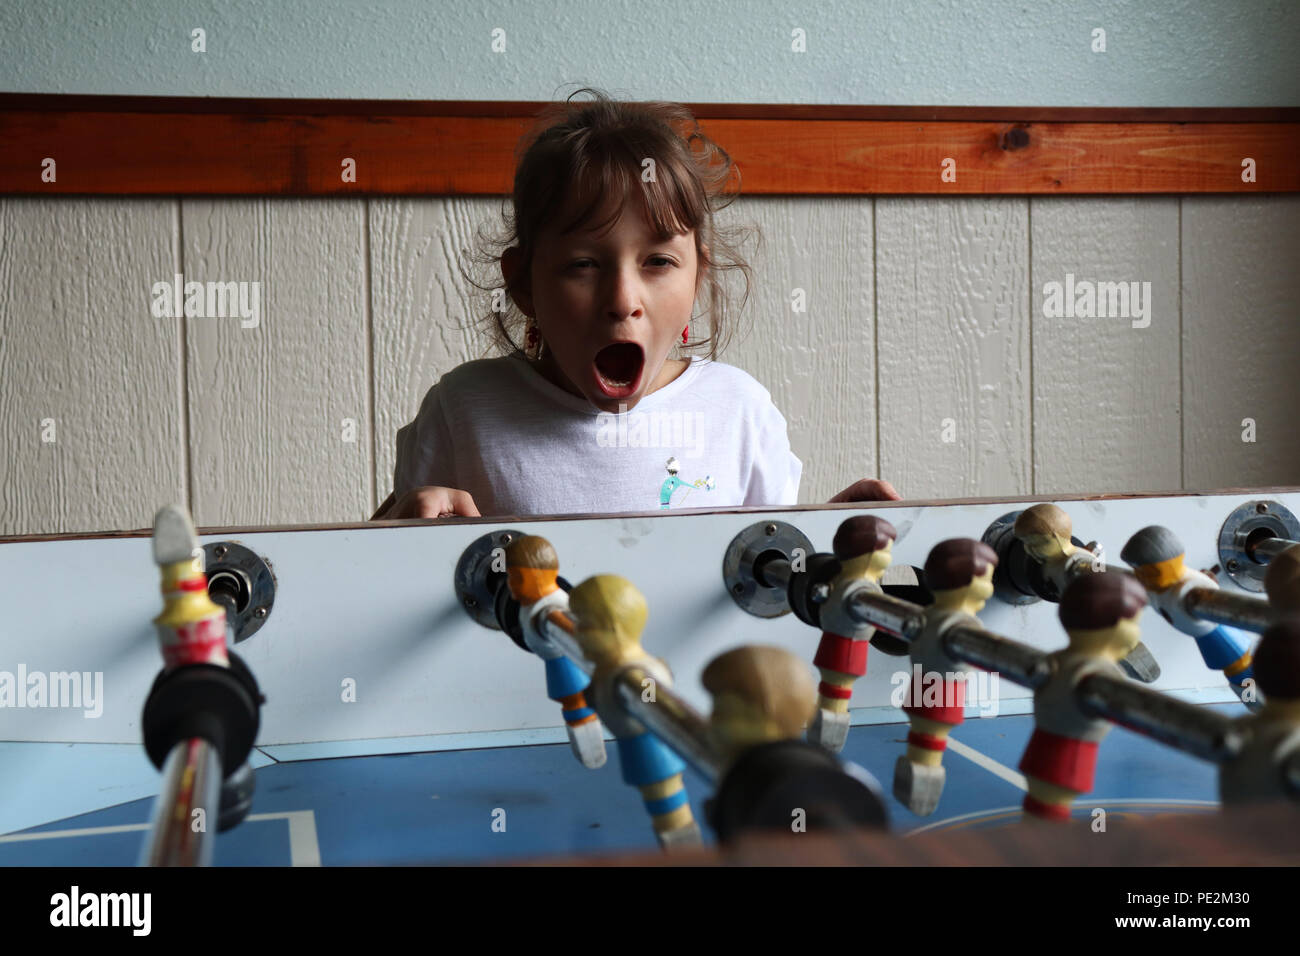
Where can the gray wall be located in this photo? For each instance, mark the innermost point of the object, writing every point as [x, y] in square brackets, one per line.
[924, 52]
[919, 311]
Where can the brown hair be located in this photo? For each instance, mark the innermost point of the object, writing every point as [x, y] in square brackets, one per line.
[1044, 519]
[862, 534]
[956, 562]
[1277, 660]
[532, 551]
[1100, 599]
[772, 679]
[591, 151]
[1282, 580]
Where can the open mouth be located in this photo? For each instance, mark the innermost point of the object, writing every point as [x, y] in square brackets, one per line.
[618, 368]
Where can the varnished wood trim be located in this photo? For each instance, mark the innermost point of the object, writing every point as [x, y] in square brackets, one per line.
[136, 146]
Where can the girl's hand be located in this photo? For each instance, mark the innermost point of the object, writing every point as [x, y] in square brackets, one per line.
[428, 501]
[868, 489]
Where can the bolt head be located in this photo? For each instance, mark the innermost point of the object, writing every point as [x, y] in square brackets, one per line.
[770, 530]
[260, 612]
[1232, 565]
[1261, 508]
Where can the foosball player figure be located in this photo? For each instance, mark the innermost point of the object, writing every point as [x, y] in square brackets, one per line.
[763, 698]
[532, 569]
[959, 572]
[610, 614]
[1157, 558]
[1272, 736]
[188, 692]
[862, 544]
[1046, 530]
[192, 627]
[1100, 614]
[1282, 582]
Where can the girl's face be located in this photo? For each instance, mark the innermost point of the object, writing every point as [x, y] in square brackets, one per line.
[609, 307]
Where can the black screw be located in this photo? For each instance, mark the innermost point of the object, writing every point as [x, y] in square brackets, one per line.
[770, 530]
[1261, 509]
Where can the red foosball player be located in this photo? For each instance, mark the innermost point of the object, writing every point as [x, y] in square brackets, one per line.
[610, 614]
[1046, 530]
[532, 568]
[959, 572]
[192, 627]
[862, 544]
[1100, 614]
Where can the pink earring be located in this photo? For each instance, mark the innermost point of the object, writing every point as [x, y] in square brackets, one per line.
[532, 336]
[684, 335]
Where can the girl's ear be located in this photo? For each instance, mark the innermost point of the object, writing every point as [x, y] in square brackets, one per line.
[511, 267]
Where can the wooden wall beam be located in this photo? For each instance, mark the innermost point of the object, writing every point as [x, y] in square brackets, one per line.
[140, 146]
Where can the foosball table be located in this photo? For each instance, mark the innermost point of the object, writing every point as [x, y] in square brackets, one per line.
[876, 682]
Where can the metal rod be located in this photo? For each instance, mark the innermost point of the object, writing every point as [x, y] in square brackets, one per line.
[1226, 607]
[774, 574]
[668, 716]
[557, 626]
[191, 779]
[1268, 549]
[1018, 663]
[886, 613]
[1176, 723]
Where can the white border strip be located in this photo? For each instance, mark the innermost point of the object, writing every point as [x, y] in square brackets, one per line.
[304, 848]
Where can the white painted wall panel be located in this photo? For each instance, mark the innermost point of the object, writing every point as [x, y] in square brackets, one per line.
[1106, 394]
[363, 306]
[954, 346]
[819, 363]
[268, 404]
[80, 349]
[1241, 339]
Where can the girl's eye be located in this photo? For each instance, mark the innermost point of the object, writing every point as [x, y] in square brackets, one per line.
[664, 260]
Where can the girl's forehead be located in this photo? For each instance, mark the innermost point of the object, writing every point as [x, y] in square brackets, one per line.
[612, 212]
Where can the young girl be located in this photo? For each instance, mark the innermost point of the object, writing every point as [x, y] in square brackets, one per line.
[612, 239]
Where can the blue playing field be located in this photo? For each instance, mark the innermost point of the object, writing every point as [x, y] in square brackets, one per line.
[441, 807]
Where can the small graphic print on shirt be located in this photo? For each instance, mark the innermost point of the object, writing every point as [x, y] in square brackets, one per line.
[673, 482]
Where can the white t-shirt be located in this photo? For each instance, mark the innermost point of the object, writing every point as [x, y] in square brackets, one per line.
[520, 445]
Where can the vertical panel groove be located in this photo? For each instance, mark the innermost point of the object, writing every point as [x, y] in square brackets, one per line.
[187, 468]
[1182, 370]
[369, 324]
[875, 332]
[1029, 311]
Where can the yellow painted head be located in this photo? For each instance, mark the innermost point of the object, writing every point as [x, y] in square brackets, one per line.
[610, 614]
